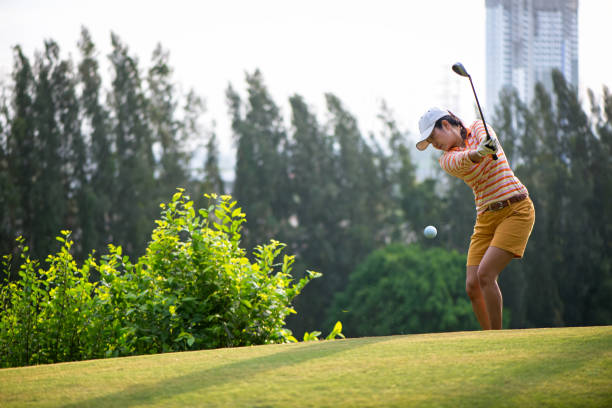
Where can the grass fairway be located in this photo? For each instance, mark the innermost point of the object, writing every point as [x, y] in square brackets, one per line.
[569, 367]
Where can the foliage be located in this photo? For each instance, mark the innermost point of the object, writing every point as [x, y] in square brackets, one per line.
[405, 289]
[49, 315]
[261, 166]
[347, 197]
[97, 160]
[133, 137]
[95, 207]
[193, 289]
[563, 157]
[336, 332]
[166, 128]
[208, 293]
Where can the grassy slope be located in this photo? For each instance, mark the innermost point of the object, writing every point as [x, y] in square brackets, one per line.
[544, 367]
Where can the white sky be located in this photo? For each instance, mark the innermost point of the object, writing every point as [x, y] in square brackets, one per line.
[362, 51]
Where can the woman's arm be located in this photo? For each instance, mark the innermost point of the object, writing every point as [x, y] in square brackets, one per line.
[474, 156]
[486, 146]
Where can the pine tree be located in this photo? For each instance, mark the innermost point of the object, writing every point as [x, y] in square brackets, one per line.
[313, 190]
[358, 182]
[508, 123]
[213, 183]
[9, 200]
[600, 208]
[544, 173]
[135, 205]
[22, 160]
[99, 193]
[49, 191]
[582, 257]
[245, 173]
[191, 133]
[261, 182]
[353, 209]
[74, 159]
[405, 209]
[173, 161]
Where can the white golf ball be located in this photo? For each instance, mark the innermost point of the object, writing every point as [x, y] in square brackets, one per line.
[430, 231]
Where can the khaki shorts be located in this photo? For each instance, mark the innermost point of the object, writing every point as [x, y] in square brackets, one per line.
[507, 229]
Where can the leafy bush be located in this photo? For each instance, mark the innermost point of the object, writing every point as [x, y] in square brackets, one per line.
[336, 332]
[193, 289]
[406, 289]
[48, 314]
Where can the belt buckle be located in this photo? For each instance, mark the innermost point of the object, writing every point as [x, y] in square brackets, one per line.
[496, 206]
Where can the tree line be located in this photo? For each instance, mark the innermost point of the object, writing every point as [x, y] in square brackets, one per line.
[97, 161]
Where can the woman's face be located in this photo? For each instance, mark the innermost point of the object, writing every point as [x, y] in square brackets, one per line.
[446, 137]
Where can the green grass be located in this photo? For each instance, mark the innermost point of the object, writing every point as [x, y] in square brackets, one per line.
[569, 367]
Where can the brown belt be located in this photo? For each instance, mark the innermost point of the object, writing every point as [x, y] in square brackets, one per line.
[503, 204]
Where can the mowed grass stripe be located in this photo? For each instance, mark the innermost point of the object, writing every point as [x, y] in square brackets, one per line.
[538, 367]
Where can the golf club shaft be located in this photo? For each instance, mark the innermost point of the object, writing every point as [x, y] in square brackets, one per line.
[481, 115]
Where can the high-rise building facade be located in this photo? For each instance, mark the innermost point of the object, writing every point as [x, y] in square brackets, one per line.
[525, 41]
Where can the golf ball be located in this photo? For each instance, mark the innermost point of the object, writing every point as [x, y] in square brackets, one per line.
[430, 231]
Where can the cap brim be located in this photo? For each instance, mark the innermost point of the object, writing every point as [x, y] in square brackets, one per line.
[422, 145]
[425, 133]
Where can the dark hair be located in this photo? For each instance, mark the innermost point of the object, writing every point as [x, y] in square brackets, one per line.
[454, 121]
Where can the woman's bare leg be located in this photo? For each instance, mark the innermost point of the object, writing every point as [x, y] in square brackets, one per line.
[493, 262]
[472, 287]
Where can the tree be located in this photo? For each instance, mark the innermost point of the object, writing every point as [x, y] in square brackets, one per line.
[398, 177]
[8, 190]
[403, 289]
[74, 161]
[356, 205]
[583, 259]
[135, 201]
[530, 286]
[313, 191]
[99, 192]
[353, 209]
[601, 209]
[213, 183]
[49, 192]
[261, 181]
[566, 274]
[162, 103]
[190, 130]
[21, 153]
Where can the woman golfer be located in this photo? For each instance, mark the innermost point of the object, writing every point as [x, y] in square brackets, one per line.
[505, 213]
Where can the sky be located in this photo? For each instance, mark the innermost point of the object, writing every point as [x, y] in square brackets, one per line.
[364, 52]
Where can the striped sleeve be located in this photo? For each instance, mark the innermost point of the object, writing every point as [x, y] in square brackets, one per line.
[480, 133]
[457, 163]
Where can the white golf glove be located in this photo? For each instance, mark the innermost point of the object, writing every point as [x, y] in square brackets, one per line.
[487, 147]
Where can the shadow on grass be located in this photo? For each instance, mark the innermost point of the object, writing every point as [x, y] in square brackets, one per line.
[218, 375]
[566, 372]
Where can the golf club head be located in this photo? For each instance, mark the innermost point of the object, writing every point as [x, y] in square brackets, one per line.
[460, 69]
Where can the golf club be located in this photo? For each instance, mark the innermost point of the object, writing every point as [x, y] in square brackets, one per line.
[460, 70]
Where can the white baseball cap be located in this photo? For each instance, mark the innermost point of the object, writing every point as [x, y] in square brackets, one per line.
[427, 123]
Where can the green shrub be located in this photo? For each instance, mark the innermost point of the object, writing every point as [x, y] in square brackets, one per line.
[193, 289]
[200, 290]
[46, 314]
[403, 289]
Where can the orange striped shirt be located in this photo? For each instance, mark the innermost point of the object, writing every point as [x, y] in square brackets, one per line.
[490, 180]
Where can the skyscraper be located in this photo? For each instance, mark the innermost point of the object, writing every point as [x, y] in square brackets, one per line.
[525, 40]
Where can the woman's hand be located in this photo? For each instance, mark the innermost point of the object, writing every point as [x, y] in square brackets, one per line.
[487, 146]
[484, 148]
